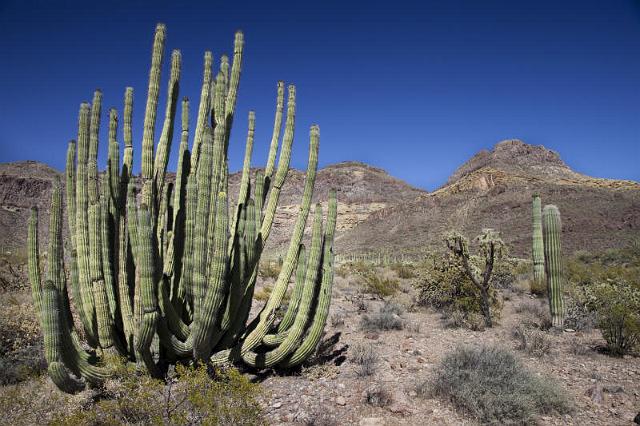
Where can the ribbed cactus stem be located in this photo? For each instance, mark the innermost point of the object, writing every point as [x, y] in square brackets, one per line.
[169, 275]
[538, 244]
[151, 109]
[554, 266]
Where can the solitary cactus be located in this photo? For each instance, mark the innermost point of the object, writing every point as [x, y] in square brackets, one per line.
[538, 245]
[554, 267]
[166, 273]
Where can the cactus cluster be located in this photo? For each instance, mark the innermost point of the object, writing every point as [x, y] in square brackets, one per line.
[548, 264]
[163, 271]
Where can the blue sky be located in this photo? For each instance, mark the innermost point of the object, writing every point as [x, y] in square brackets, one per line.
[413, 87]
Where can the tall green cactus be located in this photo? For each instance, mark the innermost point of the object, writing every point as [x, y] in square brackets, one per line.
[554, 267]
[163, 271]
[537, 252]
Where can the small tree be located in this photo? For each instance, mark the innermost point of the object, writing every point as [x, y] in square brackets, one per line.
[492, 248]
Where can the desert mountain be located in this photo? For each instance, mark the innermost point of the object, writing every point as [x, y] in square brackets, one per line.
[378, 212]
[493, 190]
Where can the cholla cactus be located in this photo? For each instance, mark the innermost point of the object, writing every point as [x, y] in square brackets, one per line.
[537, 252]
[492, 248]
[554, 266]
[167, 273]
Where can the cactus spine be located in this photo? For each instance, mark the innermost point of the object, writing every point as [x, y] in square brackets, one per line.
[162, 271]
[538, 245]
[554, 267]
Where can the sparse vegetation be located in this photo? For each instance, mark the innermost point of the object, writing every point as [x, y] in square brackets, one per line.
[605, 290]
[443, 285]
[21, 349]
[532, 341]
[403, 270]
[492, 249]
[377, 396]
[189, 397]
[491, 385]
[387, 318]
[365, 357]
[270, 270]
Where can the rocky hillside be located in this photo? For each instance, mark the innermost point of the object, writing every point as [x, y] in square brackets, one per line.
[362, 191]
[493, 189]
[378, 212]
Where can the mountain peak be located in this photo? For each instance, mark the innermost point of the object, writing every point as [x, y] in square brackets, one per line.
[516, 157]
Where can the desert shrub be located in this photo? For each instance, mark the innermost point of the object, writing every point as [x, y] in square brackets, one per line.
[337, 319]
[269, 269]
[191, 397]
[535, 314]
[618, 312]
[403, 270]
[377, 396]
[380, 286]
[444, 286]
[504, 273]
[576, 347]
[35, 402]
[578, 316]
[262, 294]
[538, 288]
[342, 270]
[365, 357]
[605, 290]
[387, 318]
[21, 349]
[532, 341]
[491, 385]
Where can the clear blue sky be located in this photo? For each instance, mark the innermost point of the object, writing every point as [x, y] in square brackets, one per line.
[413, 87]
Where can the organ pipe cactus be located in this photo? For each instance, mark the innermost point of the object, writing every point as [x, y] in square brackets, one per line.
[554, 267]
[538, 245]
[162, 271]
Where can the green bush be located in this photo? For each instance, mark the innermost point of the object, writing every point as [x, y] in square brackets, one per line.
[403, 270]
[618, 312]
[192, 397]
[491, 385]
[605, 290]
[269, 269]
[444, 286]
[380, 286]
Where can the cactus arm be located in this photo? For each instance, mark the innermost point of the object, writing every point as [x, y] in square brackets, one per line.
[296, 294]
[127, 160]
[537, 251]
[316, 328]
[215, 293]
[203, 108]
[34, 262]
[148, 287]
[199, 252]
[267, 316]
[552, 229]
[244, 180]
[234, 81]
[166, 137]
[292, 339]
[70, 172]
[283, 165]
[151, 108]
[82, 227]
[275, 137]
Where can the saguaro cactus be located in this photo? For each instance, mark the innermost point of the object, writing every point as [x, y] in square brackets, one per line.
[537, 252]
[554, 267]
[160, 271]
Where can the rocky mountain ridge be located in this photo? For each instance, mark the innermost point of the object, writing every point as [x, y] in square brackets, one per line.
[378, 212]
